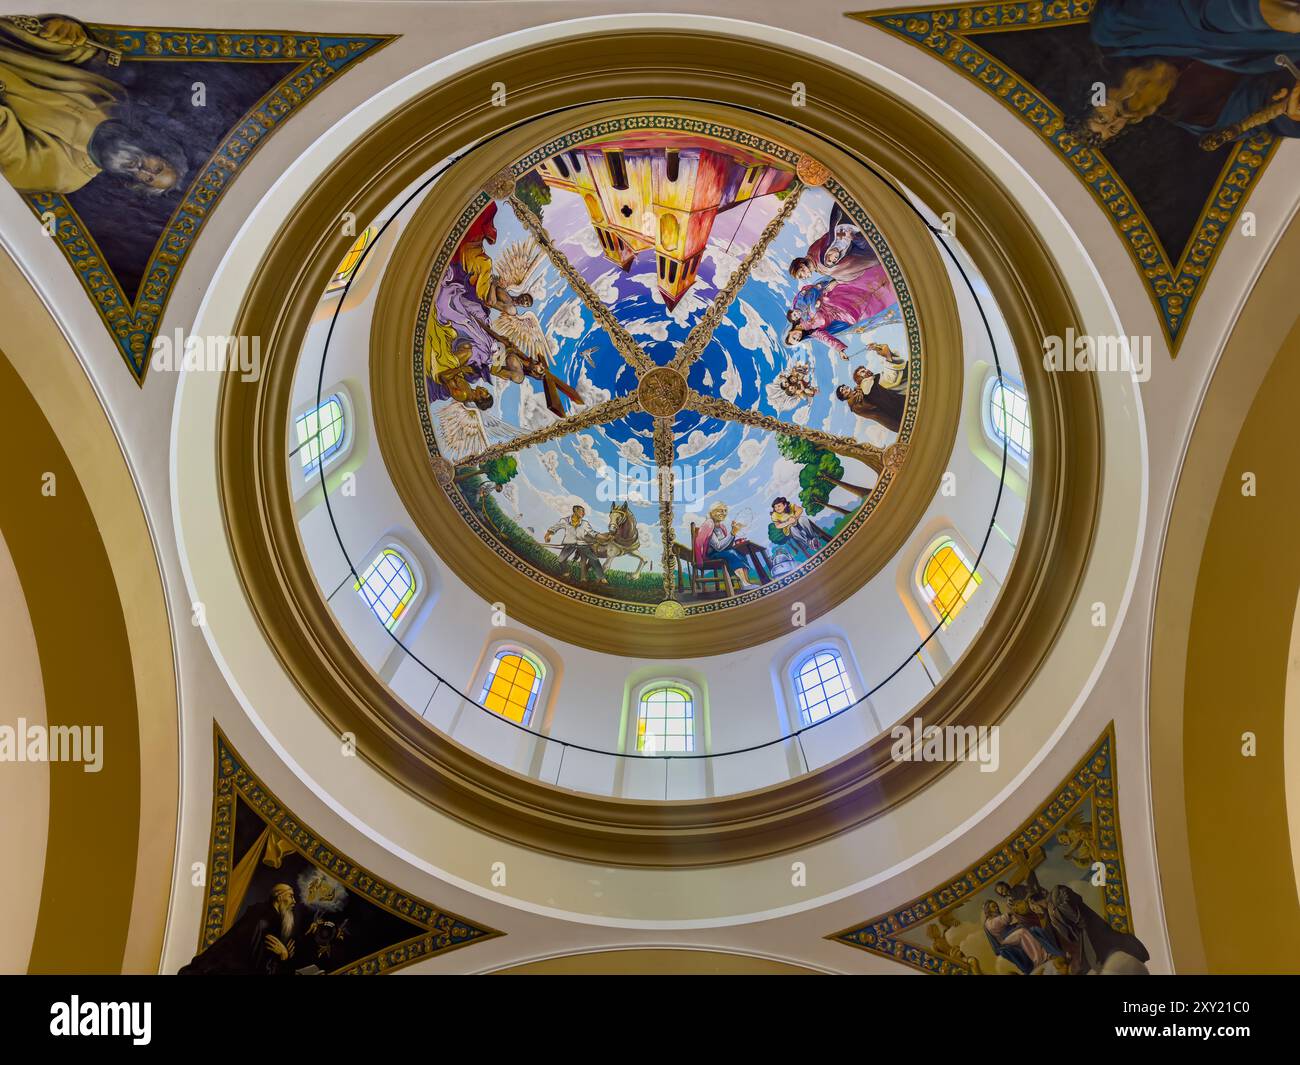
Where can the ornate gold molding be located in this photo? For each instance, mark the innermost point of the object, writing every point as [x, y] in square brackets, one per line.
[861, 119]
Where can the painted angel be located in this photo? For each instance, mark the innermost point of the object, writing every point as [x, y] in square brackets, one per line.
[526, 350]
[464, 431]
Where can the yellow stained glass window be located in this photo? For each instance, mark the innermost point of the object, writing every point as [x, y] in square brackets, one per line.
[512, 686]
[948, 581]
[348, 267]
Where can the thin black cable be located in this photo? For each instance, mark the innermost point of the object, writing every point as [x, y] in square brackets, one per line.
[936, 232]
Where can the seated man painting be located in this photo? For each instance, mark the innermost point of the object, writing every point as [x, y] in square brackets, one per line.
[715, 541]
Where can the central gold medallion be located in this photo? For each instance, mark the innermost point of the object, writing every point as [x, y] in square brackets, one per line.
[662, 392]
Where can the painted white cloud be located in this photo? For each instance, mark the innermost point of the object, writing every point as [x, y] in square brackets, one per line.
[731, 383]
[697, 442]
[550, 461]
[591, 395]
[605, 288]
[586, 445]
[655, 330]
[690, 303]
[557, 504]
[568, 321]
[585, 239]
[634, 451]
[755, 334]
[533, 412]
[767, 269]
[784, 480]
[747, 454]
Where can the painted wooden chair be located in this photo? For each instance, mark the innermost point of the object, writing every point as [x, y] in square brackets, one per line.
[711, 572]
[684, 564]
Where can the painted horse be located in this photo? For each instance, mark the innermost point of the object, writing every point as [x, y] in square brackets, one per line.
[623, 538]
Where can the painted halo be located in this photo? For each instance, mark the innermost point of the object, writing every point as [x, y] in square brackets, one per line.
[666, 366]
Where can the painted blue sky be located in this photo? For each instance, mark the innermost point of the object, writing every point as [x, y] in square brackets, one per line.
[716, 461]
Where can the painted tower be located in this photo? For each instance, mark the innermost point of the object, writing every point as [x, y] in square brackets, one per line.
[643, 194]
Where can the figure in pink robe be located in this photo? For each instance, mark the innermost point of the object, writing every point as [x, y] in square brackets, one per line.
[842, 305]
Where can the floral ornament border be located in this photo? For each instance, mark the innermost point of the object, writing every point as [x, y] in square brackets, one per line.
[1173, 287]
[321, 57]
[1094, 777]
[443, 931]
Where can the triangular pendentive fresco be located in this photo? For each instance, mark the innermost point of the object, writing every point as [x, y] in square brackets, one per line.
[122, 140]
[282, 901]
[1051, 900]
[1168, 110]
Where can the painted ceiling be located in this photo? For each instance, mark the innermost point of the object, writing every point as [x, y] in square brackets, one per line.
[1052, 899]
[163, 120]
[666, 364]
[1168, 111]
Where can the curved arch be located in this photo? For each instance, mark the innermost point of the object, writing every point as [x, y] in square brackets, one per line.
[91, 544]
[1224, 595]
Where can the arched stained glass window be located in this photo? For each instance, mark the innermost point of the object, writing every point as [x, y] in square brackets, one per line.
[320, 432]
[822, 684]
[343, 273]
[665, 722]
[947, 581]
[388, 586]
[1008, 414]
[513, 683]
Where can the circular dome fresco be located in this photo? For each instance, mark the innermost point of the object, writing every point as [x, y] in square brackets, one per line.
[667, 367]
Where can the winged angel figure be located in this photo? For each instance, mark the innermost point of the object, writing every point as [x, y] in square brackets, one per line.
[525, 349]
[465, 431]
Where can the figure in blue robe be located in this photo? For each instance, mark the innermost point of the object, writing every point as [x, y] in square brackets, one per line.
[1024, 945]
[1223, 33]
[1204, 65]
[805, 305]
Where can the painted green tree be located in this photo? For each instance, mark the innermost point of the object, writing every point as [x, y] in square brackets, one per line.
[500, 471]
[821, 473]
[535, 193]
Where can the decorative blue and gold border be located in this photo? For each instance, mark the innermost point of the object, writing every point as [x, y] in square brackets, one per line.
[752, 142]
[1173, 287]
[320, 59]
[444, 931]
[1093, 778]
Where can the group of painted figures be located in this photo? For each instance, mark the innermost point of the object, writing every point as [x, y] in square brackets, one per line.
[716, 542]
[483, 327]
[1031, 926]
[844, 288]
